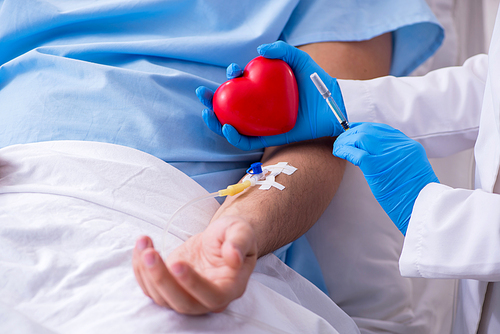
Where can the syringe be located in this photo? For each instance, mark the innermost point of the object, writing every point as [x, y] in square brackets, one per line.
[329, 99]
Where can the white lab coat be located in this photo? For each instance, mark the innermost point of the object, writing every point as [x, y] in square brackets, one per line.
[453, 233]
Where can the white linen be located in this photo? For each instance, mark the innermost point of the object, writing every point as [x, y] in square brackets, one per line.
[70, 213]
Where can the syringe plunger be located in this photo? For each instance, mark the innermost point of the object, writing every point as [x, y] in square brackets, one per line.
[320, 85]
[329, 100]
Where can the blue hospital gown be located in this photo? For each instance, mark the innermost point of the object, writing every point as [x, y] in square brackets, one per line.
[125, 71]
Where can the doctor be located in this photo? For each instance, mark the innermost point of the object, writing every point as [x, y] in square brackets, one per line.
[450, 233]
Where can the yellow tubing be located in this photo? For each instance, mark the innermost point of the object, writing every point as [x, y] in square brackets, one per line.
[235, 188]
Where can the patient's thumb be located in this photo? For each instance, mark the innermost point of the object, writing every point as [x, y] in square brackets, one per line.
[232, 255]
[239, 244]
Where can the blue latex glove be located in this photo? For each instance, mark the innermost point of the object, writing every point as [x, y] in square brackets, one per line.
[314, 119]
[395, 166]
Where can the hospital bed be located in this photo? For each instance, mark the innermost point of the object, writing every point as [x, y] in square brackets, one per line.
[70, 213]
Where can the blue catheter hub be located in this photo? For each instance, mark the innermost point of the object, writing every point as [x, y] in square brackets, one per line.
[255, 168]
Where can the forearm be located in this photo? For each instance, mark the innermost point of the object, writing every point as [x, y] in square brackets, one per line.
[279, 217]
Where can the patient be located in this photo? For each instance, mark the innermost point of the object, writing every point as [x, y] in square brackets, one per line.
[253, 224]
[125, 73]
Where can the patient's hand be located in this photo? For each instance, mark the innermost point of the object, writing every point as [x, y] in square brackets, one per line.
[204, 274]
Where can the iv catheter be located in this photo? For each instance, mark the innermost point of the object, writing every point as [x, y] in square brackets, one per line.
[329, 99]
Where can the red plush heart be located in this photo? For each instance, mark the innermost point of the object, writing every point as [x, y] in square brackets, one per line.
[262, 102]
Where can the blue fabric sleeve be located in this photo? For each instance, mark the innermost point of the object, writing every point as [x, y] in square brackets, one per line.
[125, 72]
[416, 32]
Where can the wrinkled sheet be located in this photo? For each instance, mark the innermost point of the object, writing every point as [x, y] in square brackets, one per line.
[70, 213]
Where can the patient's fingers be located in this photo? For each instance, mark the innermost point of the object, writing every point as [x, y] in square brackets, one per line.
[219, 263]
[151, 259]
[167, 288]
[209, 295]
[141, 244]
[140, 260]
[229, 254]
[157, 282]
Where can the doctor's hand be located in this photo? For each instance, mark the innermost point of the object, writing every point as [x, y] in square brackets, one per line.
[204, 274]
[395, 166]
[314, 119]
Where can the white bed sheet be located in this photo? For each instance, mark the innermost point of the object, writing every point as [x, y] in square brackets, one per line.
[70, 213]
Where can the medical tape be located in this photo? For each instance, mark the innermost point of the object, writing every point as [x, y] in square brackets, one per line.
[267, 179]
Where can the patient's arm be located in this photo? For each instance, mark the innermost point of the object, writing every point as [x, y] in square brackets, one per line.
[212, 268]
[279, 217]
